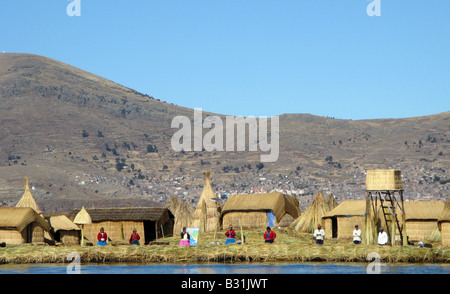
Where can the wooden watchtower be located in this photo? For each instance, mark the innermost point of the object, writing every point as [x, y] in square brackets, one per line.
[384, 202]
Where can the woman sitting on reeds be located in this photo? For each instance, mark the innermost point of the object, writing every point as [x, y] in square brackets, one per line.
[185, 237]
[230, 236]
[269, 235]
[134, 239]
[102, 237]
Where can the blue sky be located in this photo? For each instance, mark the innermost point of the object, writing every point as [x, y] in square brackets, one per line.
[252, 57]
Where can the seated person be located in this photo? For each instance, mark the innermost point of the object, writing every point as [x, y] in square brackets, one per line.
[185, 237]
[230, 236]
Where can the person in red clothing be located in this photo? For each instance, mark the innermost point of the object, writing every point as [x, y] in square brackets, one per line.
[269, 235]
[102, 237]
[134, 239]
[230, 236]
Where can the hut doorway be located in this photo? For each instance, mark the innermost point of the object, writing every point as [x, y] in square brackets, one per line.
[334, 227]
[149, 231]
[29, 233]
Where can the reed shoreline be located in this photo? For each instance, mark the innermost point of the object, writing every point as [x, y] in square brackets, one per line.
[289, 247]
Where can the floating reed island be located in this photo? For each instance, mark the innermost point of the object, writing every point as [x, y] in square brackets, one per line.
[290, 246]
[27, 233]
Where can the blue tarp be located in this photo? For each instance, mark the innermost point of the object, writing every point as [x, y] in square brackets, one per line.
[270, 219]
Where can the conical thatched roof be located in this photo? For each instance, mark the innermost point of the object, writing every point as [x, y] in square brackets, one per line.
[207, 212]
[27, 199]
[82, 218]
[308, 221]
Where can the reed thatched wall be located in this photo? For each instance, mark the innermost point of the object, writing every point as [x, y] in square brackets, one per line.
[69, 238]
[420, 230]
[13, 236]
[248, 219]
[444, 224]
[384, 179]
[37, 234]
[445, 234]
[116, 230]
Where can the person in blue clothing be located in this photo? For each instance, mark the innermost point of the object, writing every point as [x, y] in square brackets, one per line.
[102, 237]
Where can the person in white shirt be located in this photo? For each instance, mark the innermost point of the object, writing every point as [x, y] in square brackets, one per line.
[382, 237]
[356, 235]
[319, 234]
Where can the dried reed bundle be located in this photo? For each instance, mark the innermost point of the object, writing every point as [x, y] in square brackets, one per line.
[183, 214]
[27, 199]
[369, 234]
[309, 220]
[207, 213]
[436, 235]
[332, 203]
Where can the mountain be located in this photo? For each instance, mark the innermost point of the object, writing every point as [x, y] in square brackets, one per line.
[84, 140]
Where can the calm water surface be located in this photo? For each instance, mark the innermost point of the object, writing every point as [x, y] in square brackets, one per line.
[287, 268]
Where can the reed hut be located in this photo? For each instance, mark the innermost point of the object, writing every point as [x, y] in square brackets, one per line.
[421, 219]
[18, 224]
[259, 210]
[64, 230]
[340, 222]
[150, 222]
[206, 216]
[444, 224]
[308, 221]
[28, 200]
[183, 213]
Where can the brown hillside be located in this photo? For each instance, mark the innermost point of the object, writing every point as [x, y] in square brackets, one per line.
[69, 130]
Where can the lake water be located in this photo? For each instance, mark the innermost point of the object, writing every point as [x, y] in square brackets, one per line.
[252, 268]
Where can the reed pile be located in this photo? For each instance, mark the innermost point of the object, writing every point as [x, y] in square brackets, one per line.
[307, 222]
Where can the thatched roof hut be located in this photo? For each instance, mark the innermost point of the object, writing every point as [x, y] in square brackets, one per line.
[28, 200]
[259, 210]
[444, 224]
[64, 230]
[420, 216]
[308, 221]
[150, 223]
[18, 224]
[340, 221]
[207, 213]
